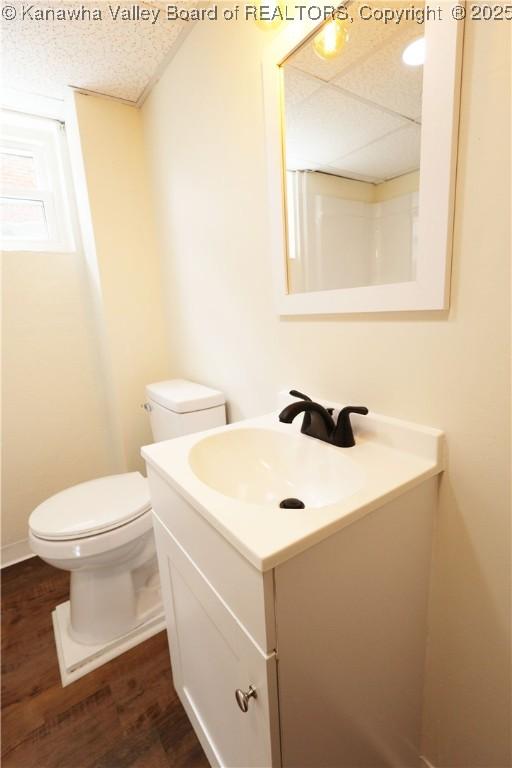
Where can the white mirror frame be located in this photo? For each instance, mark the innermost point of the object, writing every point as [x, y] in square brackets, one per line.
[439, 138]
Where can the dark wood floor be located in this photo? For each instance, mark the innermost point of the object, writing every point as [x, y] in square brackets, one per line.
[126, 713]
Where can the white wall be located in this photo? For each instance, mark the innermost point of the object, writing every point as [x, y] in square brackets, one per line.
[205, 138]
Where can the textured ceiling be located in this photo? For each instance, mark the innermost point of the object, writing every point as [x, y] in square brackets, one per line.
[358, 115]
[117, 57]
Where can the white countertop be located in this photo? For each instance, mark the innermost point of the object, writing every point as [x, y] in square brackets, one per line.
[394, 455]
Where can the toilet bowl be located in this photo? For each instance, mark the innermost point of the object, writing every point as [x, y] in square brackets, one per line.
[101, 531]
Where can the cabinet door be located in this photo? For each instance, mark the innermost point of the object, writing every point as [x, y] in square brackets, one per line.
[212, 656]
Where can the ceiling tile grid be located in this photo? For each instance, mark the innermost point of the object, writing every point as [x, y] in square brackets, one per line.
[330, 124]
[298, 86]
[384, 79]
[364, 38]
[390, 156]
[358, 114]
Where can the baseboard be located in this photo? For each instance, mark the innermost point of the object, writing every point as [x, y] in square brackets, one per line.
[426, 762]
[77, 660]
[15, 553]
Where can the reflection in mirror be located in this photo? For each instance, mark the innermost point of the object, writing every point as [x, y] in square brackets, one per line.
[352, 127]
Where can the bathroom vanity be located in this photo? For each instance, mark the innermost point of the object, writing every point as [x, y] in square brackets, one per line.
[298, 636]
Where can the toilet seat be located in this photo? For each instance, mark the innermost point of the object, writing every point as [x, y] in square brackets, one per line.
[77, 551]
[92, 508]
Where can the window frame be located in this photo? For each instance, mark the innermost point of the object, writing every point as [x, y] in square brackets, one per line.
[43, 139]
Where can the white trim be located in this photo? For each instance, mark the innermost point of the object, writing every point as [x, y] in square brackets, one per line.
[15, 553]
[426, 762]
[100, 95]
[77, 659]
[44, 140]
[440, 120]
[32, 104]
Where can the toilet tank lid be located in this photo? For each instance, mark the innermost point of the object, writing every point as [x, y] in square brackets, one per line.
[183, 396]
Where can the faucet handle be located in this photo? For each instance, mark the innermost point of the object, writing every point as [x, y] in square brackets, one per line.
[344, 436]
[296, 393]
[355, 409]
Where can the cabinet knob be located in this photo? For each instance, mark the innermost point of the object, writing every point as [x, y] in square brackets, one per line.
[242, 697]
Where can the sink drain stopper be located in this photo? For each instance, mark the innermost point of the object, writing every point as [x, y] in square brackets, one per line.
[292, 504]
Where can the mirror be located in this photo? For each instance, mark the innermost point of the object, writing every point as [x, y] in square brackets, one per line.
[352, 137]
[361, 143]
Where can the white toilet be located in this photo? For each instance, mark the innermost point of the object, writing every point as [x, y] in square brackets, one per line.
[101, 531]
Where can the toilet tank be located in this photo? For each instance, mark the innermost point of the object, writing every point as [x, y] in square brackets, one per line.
[178, 407]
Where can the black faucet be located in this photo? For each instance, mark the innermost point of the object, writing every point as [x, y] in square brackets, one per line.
[318, 421]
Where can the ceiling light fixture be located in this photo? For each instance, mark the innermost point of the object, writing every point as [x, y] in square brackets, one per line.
[331, 39]
[414, 54]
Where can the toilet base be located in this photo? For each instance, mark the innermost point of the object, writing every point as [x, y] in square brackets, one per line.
[77, 659]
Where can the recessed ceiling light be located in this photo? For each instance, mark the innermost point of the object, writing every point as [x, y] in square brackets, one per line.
[414, 54]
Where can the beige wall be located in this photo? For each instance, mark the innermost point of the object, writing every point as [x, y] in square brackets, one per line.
[349, 189]
[128, 260]
[54, 408]
[205, 138]
[401, 185]
[83, 332]
[336, 186]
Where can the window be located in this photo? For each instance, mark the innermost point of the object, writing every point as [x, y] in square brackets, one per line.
[34, 209]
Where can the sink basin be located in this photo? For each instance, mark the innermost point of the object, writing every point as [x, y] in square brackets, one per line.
[237, 475]
[263, 466]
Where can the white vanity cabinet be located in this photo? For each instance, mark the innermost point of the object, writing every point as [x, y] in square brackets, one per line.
[212, 650]
[331, 639]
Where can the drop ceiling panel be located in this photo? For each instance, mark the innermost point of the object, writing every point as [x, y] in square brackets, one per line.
[299, 86]
[384, 79]
[330, 124]
[116, 58]
[388, 157]
[364, 37]
[348, 125]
